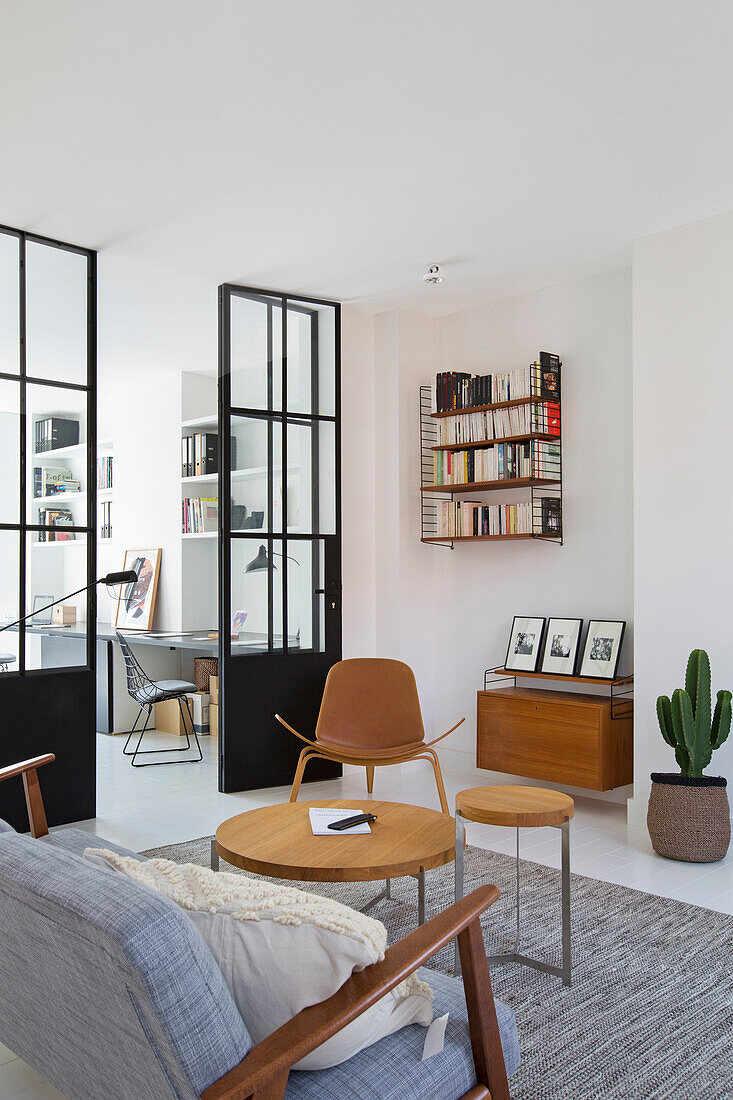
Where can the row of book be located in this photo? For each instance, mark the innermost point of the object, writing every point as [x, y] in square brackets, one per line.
[55, 432]
[535, 458]
[199, 515]
[105, 517]
[457, 390]
[51, 481]
[104, 472]
[475, 427]
[467, 518]
[55, 520]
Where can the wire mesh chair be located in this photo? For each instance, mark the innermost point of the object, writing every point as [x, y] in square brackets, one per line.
[6, 660]
[147, 693]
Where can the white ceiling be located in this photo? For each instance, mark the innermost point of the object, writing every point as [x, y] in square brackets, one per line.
[337, 147]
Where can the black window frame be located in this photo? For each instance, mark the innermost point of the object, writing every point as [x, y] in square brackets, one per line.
[23, 528]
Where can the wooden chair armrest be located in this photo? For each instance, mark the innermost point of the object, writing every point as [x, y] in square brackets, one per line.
[264, 1071]
[26, 765]
[435, 742]
[295, 732]
[33, 798]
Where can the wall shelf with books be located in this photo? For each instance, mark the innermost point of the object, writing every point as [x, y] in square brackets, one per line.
[486, 434]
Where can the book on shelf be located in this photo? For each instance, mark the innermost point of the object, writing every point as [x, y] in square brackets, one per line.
[455, 390]
[105, 515]
[548, 516]
[54, 520]
[471, 518]
[200, 454]
[499, 462]
[199, 515]
[55, 432]
[49, 480]
[104, 472]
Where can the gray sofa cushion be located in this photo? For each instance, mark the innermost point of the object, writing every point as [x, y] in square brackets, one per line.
[5, 828]
[106, 983]
[76, 840]
[392, 1069]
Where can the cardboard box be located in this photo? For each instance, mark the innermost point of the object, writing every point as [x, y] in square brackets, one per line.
[214, 689]
[168, 718]
[214, 719]
[64, 614]
[200, 702]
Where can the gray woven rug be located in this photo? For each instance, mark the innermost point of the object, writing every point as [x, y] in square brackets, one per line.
[649, 1015]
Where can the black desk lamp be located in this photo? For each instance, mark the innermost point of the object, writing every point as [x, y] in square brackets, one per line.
[127, 576]
[261, 561]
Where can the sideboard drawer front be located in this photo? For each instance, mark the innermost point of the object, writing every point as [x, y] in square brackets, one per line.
[540, 739]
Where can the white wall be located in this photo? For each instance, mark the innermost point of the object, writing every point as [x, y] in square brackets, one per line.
[683, 393]
[448, 613]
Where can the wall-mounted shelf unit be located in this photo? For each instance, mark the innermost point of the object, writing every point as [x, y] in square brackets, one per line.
[459, 444]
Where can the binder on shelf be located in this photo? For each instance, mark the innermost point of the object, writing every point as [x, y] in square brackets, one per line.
[55, 432]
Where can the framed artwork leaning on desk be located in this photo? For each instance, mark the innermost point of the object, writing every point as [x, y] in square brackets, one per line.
[136, 601]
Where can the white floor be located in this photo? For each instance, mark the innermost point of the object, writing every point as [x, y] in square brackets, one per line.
[150, 807]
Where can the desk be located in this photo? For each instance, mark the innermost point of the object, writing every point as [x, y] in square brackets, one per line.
[169, 656]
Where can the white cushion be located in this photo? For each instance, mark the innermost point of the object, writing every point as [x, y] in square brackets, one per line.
[281, 949]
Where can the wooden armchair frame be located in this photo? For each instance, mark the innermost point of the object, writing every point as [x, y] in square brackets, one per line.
[32, 790]
[263, 1073]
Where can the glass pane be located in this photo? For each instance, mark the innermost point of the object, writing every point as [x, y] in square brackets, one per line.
[311, 358]
[256, 353]
[305, 602]
[249, 503]
[9, 598]
[9, 452]
[9, 304]
[257, 609]
[56, 313]
[57, 637]
[56, 460]
[312, 477]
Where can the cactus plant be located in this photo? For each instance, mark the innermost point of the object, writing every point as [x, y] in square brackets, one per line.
[686, 721]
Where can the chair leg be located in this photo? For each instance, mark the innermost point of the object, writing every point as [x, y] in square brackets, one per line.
[134, 728]
[370, 778]
[298, 778]
[439, 780]
[188, 729]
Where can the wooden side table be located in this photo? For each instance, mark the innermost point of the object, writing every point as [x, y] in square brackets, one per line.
[523, 808]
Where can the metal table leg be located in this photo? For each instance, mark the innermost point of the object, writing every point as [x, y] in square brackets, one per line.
[214, 856]
[459, 871]
[516, 955]
[421, 896]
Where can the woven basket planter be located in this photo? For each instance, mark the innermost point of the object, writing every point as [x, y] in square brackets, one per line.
[203, 669]
[689, 818]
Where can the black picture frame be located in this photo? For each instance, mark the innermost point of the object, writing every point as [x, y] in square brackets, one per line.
[599, 674]
[511, 663]
[550, 632]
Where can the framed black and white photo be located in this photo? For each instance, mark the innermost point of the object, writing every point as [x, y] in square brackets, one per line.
[562, 643]
[602, 648]
[524, 644]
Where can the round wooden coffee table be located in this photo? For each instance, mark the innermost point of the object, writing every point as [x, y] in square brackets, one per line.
[277, 841]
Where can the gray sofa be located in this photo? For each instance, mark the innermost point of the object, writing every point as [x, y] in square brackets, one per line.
[108, 990]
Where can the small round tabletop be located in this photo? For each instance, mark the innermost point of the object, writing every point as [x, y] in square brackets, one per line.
[278, 841]
[525, 807]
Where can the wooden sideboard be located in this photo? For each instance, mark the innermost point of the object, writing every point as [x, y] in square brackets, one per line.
[558, 736]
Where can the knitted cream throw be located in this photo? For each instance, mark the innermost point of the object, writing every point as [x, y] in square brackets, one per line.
[248, 899]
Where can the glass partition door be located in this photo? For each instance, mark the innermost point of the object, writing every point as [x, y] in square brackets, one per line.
[279, 488]
[47, 513]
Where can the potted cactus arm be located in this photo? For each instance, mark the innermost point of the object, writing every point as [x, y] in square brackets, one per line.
[689, 816]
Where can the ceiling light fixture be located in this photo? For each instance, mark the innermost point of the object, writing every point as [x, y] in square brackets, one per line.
[434, 275]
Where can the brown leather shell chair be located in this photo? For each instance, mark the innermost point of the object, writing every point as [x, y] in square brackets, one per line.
[370, 715]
